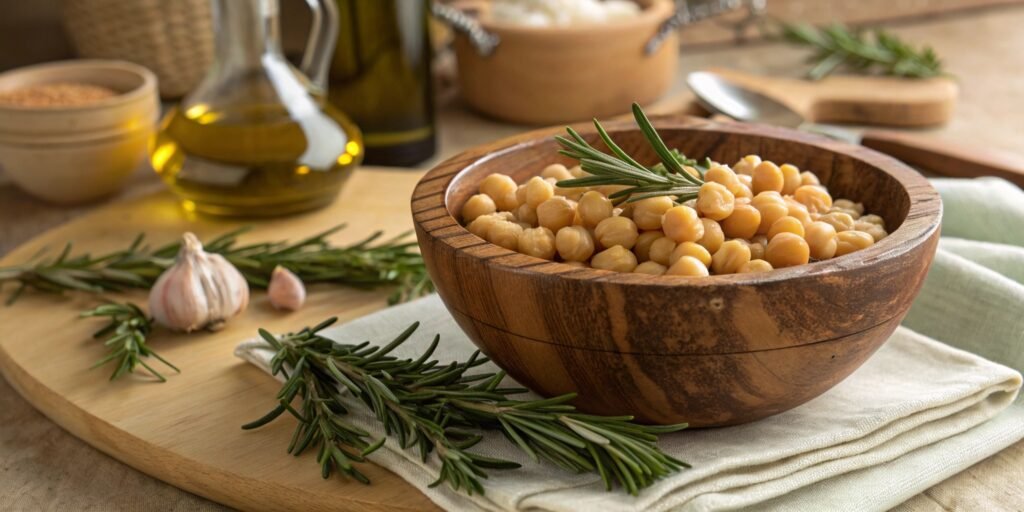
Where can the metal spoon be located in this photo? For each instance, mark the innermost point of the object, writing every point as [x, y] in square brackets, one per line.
[942, 157]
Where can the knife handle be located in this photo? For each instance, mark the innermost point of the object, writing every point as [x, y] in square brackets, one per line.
[946, 158]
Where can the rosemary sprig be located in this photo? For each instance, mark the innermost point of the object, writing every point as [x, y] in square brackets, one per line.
[668, 178]
[365, 264]
[126, 339]
[836, 45]
[441, 409]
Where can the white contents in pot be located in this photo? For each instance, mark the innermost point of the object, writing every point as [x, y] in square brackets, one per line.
[556, 13]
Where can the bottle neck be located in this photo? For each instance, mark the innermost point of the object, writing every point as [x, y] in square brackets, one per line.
[245, 32]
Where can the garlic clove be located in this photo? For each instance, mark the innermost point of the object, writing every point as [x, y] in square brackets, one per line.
[200, 290]
[286, 290]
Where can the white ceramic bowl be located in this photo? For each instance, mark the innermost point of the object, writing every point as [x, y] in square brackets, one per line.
[82, 153]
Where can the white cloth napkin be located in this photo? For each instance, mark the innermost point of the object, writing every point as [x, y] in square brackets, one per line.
[917, 412]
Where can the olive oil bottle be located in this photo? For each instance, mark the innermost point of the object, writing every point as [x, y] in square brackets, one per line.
[257, 137]
[380, 75]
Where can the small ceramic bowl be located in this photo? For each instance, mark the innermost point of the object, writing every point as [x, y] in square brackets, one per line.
[80, 153]
[548, 75]
[709, 351]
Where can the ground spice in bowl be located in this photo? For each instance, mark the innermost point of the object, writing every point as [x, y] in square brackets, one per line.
[62, 94]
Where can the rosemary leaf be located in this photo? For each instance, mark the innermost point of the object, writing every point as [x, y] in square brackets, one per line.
[836, 46]
[128, 328]
[443, 410]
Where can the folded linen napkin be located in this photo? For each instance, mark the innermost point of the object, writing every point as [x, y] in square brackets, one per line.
[870, 443]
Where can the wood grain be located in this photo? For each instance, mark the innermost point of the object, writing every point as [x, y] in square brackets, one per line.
[527, 81]
[712, 351]
[947, 158]
[857, 99]
[187, 431]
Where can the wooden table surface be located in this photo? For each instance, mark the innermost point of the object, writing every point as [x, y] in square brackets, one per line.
[44, 468]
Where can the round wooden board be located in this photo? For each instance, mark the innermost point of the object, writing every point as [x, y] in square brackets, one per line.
[187, 431]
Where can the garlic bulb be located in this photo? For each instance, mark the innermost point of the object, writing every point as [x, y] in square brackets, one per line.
[286, 290]
[199, 290]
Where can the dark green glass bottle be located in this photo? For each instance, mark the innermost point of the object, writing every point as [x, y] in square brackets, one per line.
[381, 78]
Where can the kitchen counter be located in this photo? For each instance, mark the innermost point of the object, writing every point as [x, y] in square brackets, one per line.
[44, 468]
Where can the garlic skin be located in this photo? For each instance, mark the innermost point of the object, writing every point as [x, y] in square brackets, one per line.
[286, 290]
[201, 290]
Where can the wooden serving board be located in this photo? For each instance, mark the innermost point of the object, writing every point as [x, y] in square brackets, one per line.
[187, 431]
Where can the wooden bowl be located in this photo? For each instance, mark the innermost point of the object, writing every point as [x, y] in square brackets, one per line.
[712, 351]
[548, 75]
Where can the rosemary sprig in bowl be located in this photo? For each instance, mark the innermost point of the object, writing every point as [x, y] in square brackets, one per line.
[443, 409]
[675, 175]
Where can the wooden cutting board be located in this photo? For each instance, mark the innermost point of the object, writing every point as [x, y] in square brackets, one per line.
[186, 431]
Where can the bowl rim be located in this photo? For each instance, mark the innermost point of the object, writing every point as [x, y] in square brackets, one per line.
[428, 200]
[652, 15]
[146, 88]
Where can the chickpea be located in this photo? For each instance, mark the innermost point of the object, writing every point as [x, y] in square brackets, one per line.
[758, 244]
[650, 267]
[713, 235]
[482, 224]
[877, 232]
[556, 213]
[786, 224]
[840, 221]
[574, 243]
[537, 242]
[538, 191]
[617, 258]
[746, 180]
[772, 207]
[755, 266]
[797, 210]
[814, 197]
[809, 178]
[849, 206]
[647, 212]
[821, 237]
[573, 193]
[521, 194]
[730, 257]
[790, 178]
[642, 247]
[714, 201]
[743, 222]
[682, 224]
[578, 172]
[476, 206]
[722, 175]
[873, 219]
[594, 207]
[768, 177]
[557, 171]
[526, 213]
[742, 191]
[850, 241]
[502, 190]
[661, 250]
[747, 164]
[506, 234]
[787, 250]
[688, 266]
[756, 249]
[692, 171]
[690, 249]
[616, 231]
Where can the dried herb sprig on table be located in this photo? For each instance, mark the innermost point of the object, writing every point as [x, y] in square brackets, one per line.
[836, 46]
[365, 264]
[126, 339]
[441, 408]
[669, 178]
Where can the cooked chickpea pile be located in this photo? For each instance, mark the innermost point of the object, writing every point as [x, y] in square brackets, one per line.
[753, 217]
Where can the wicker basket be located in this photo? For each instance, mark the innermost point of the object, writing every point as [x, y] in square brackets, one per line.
[173, 38]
